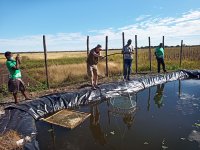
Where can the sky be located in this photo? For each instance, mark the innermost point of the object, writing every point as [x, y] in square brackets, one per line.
[67, 23]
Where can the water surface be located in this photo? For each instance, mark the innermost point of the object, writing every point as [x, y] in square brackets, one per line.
[166, 116]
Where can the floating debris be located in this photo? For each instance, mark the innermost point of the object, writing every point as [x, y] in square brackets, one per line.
[50, 130]
[67, 118]
[194, 136]
[146, 143]
[197, 124]
[164, 147]
[112, 132]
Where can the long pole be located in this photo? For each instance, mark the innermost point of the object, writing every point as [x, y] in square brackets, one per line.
[106, 56]
[123, 43]
[45, 61]
[163, 42]
[181, 51]
[136, 55]
[88, 45]
[150, 54]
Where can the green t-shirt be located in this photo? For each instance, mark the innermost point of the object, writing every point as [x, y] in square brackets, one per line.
[159, 52]
[14, 74]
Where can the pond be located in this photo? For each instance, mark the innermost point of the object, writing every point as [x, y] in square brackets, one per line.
[165, 116]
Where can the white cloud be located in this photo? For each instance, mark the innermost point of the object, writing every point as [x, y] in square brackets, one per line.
[142, 17]
[186, 28]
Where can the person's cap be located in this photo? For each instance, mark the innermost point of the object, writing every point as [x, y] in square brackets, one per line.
[129, 41]
[98, 46]
[7, 53]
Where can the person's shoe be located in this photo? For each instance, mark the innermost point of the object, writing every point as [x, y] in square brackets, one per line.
[124, 78]
[94, 88]
[165, 71]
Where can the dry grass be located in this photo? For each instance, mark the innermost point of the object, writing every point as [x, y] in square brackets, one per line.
[70, 67]
[51, 55]
[59, 74]
[54, 55]
[8, 141]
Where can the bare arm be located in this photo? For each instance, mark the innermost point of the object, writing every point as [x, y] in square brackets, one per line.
[97, 55]
[128, 52]
[16, 67]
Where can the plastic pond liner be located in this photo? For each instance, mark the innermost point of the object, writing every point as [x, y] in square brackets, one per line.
[146, 113]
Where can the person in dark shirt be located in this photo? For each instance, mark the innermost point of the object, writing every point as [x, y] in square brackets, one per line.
[92, 61]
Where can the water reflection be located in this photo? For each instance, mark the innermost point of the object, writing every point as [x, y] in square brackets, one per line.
[149, 98]
[158, 98]
[110, 121]
[128, 120]
[95, 126]
[124, 106]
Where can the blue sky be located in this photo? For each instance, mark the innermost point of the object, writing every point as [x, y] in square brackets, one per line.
[66, 23]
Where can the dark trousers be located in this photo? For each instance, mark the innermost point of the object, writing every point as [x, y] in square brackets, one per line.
[127, 68]
[161, 61]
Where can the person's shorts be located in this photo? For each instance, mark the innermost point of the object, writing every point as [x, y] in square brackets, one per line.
[91, 69]
[15, 85]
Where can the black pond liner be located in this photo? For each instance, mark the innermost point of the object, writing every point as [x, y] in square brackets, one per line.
[22, 117]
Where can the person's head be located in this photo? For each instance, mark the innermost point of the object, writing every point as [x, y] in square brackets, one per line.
[98, 48]
[129, 42]
[160, 45]
[8, 55]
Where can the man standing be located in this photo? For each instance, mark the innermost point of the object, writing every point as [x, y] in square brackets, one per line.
[128, 57]
[159, 52]
[15, 82]
[92, 61]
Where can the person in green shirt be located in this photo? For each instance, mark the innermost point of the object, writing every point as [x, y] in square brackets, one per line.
[159, 52]
[15, 82]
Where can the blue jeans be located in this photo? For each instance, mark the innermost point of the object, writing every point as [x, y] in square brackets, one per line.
[127, 68]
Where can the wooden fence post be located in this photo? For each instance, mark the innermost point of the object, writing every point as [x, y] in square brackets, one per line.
[136, 55]
[106, 48]
[123, 43]
[163, 42]
[150, 54]
[181, 51]
[88, 49]
[45, 61]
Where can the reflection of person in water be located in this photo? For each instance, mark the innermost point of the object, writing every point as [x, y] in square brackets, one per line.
[158, 98]
[128, 120]
[95, 126]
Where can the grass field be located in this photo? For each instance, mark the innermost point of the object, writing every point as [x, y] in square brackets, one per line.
[70, 67]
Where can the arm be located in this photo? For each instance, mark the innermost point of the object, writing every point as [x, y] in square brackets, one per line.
[155, 52]
[97, 55]
[16, 67]
[128, 52]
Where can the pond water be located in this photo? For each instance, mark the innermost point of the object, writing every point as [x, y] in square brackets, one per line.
[165, 116]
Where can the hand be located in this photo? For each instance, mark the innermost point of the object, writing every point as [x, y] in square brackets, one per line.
[101, 57]
[17, 58]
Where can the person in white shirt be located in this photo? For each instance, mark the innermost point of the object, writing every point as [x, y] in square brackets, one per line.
[128, 57]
